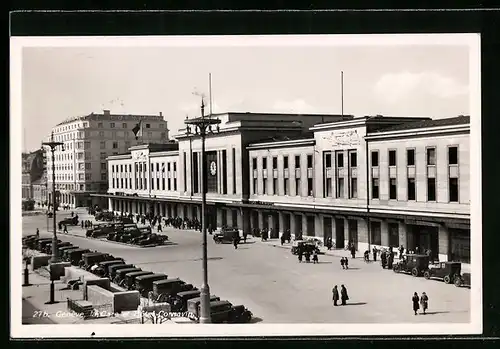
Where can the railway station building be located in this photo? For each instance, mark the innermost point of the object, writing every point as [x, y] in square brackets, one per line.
[371, 180]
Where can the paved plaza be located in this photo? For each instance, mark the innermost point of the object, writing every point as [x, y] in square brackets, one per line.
[270, 281]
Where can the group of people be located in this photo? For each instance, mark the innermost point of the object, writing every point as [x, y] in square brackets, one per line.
[343, 296]
[87, 224]
[344, 262]
[307, 253]
[423, 301]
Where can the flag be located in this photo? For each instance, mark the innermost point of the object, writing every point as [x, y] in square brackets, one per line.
[138, 130]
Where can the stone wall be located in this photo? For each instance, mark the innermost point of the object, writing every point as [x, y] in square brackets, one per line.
[100, 297]
[126, 301]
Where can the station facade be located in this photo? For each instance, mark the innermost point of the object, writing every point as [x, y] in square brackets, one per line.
[373, 180]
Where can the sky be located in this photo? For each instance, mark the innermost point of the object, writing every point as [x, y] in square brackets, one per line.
[402, 80]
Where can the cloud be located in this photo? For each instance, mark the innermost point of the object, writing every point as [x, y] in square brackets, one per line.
[397, 87]
[295, 106]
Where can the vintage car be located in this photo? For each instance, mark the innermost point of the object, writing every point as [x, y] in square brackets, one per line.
[135, 237]
[447, 271]
[126, 229]
[462, 280]
[125, 220]
[193, 306]
[162, 289]
[131, 277]
[75, 256]
[178, 302]
[100, 230]
[105, 216]
[48, 247]
[62, 249]
[91, 258]
[227, 235]
[29, 240]
[120, 274]
[225, 312]
[106, 264]
[44, 242]
[144, 283]
[113, 269]
[68, 221]
[152, 239]
[416, 264]
[309, 246]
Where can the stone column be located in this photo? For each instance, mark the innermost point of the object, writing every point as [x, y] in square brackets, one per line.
[304, 224]
[293, 228]
[402, 235]
[261, 219]
[219, 217]
[239, 219]
[246, 221]
[318, 226]
[110, 204]
[384, 231]
[282, 223]
[443, 243]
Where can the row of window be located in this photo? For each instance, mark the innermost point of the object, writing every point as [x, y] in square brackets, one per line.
[411, 188]
[141, 183]
[141, 167]
[125, 125]
[410, 156]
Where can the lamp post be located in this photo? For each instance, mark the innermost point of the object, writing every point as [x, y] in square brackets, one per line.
[203, 126]
[52, 144]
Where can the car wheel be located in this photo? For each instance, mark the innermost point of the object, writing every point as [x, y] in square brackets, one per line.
[396, 268]
[458, 281]
[414, 272]
[427, 275]
[447, 279]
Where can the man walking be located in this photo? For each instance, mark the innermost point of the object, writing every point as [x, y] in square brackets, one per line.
[343, 295]
[335, 295]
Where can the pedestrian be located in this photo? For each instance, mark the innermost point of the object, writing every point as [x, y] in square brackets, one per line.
[367, 256]
[159, 227]
[282, 239]
[346, 262]
[315, 257]
[300, 255]
[374, 251]
[424, 301]
[383, 258]
[245, 237]
[401, 251]
[307, 254]
[343, 295]
[415, 300]
[335, 295]
[82, 224]
[353, 251]
[65, 231]
[390, 260]
[342, 262]
[235, 243]
[37, 233]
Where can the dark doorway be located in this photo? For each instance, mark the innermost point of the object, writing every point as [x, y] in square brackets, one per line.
[194, 212]
[352, 227]
[339, 232]
[265, 220]
[459, 245]
[255, 220]
[424, 237]
[286, 221]
[311, 226]
[234, 218]
[327, 227]
[175, 213]
[298, 225]
[393, 234]
[185, 211]
[211, 217]
[224, 218]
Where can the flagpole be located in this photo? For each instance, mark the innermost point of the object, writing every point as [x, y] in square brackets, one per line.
[342, 93]
[210, 91]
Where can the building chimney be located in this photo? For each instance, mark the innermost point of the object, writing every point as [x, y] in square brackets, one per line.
[106, 112]
[161, 114]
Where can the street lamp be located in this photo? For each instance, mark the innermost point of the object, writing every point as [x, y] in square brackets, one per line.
[203, 126]
[52, 144]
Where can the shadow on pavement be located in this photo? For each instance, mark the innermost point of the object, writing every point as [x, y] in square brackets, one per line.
[180, 260]
[255, 320]
[351, 268]
[357, 303]
[435, 312]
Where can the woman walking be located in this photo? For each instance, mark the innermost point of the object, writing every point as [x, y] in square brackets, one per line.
[424, 302]
[415, 300]
[343, 295]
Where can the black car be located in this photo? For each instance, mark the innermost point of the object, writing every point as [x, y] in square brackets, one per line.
[68, 221]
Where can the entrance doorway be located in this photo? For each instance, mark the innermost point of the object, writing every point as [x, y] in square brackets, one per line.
[255, 220]
[327, 227]
[211, 217]
[352, 227]
[424, 237]
[234, 218]
[298, 225]
[286, 222]
[311, 226]
[339, 233]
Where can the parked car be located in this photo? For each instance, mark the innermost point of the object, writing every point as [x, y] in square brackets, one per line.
[105, 216]
[178, 302]
[100, 230]
[193, 306]
[106, 264]
[309, 246]
[144, 283]
[447, 271]
[68, 221]
[75, 256]
[225, 312]
[120, 274]
[416, 264]
[162, 289]
[462, 280]
[131, 277]
[89, 259]
[227, 235]
[113, 269]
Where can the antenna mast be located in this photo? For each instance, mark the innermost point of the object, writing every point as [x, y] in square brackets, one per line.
[342, 93]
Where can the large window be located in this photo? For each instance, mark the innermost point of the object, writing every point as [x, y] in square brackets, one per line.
[374, 158]
[297, 161]
[194, 173]
[297, 187]
[254, 185]
[393, 234]
[431, 156]
[453, 156]
[275, 163]
[285, 162]
[310, 191]
[264, 186]
[309, 161]
[254, 163]
[353, 189]
[410, 157]
[453, 190]
[392, 189]
[392, 158]
[411, 189]
[264, 163]
[286, 186]
[340, 159]
[340, 187]
[328, 187]
[431, 189]
[353, 158]
[375, 188]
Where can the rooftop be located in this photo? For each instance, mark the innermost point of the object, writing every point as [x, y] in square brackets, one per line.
[459, 120]
[106, 115]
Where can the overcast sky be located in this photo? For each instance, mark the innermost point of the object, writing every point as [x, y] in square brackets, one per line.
[389, 80]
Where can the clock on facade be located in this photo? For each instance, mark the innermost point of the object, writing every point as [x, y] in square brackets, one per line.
[213, 168]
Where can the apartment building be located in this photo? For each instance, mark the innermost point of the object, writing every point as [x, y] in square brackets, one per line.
[81, 166]
[373, 181]
[32, 171]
